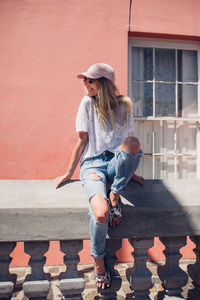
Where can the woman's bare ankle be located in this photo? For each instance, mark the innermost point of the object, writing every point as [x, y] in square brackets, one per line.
[99, 266]
[114, 198]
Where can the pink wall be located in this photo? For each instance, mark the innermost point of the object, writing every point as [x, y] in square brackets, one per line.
[166, 17]
[44, 44]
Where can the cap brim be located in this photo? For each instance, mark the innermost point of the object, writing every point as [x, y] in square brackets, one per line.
[81, 75]
[88, 75]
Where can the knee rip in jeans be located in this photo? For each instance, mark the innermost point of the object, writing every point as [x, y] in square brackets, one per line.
[95, 176]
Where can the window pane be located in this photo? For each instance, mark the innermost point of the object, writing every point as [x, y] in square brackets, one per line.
[142, 63]
[159, 171]
[143, 130]
[186, 137]
[165, 99]
[187, 100]
[143, 99]
[168, 168]
[145, 168]
[187, 168]
[164, 136]
[165, 67]
[187, 66]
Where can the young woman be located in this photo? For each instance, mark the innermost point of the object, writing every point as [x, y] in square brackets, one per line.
[107, 150]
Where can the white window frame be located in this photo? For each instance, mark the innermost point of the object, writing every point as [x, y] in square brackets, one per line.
[168, 44]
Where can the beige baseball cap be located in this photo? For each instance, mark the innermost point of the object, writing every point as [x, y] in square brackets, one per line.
[99, 70]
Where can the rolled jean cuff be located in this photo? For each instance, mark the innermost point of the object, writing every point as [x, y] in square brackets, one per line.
[116, 192]
[98, 256]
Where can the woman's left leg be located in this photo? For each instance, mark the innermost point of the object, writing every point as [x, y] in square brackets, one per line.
[121, 168]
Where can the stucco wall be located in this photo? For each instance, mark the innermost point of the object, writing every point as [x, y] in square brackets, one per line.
[44, 44]
[166, 17]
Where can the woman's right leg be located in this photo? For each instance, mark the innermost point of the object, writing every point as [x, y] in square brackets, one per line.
[94, 182]
[98, 231]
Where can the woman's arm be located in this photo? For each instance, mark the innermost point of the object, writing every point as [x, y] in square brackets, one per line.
[75, 157]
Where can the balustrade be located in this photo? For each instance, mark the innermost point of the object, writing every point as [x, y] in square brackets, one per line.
[72, 282]
[64, 217]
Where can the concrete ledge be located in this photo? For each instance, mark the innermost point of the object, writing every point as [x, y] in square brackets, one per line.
[35, 210]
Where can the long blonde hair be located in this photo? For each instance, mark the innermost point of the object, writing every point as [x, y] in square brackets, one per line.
[108, 101]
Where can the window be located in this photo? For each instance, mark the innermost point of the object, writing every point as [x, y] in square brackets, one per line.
[163, 83]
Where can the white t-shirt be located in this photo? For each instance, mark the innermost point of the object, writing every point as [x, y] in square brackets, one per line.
[101, 139]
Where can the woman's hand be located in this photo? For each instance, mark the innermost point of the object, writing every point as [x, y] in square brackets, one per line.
[63, 178]
[75, 157]
[138, 179]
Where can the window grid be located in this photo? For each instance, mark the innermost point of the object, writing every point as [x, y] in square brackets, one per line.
[175, 153]
[195, 120]
[176, 82]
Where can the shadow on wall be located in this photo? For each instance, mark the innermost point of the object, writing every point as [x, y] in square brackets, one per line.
[161, 209]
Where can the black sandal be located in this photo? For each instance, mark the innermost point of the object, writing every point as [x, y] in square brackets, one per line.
[115, 213]
[102, 279]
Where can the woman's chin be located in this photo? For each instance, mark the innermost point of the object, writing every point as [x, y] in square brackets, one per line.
[91, 94]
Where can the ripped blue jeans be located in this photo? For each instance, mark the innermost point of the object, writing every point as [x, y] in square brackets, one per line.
[117, 168]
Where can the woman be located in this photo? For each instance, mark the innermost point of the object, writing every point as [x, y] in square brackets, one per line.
[106, 150]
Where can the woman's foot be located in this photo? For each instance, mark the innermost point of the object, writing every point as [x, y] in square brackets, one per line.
[102, 280]
[115, 209]
[101, 277]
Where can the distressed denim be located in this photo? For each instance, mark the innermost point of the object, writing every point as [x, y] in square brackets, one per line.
[118, 168]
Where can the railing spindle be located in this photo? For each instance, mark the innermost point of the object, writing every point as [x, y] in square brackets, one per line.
[140, 277]
[194, 271]
[36, 285]
[7, 280]
[172, 276]
[72, 282]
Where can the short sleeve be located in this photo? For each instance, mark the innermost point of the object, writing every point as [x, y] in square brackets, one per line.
[82, 117]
